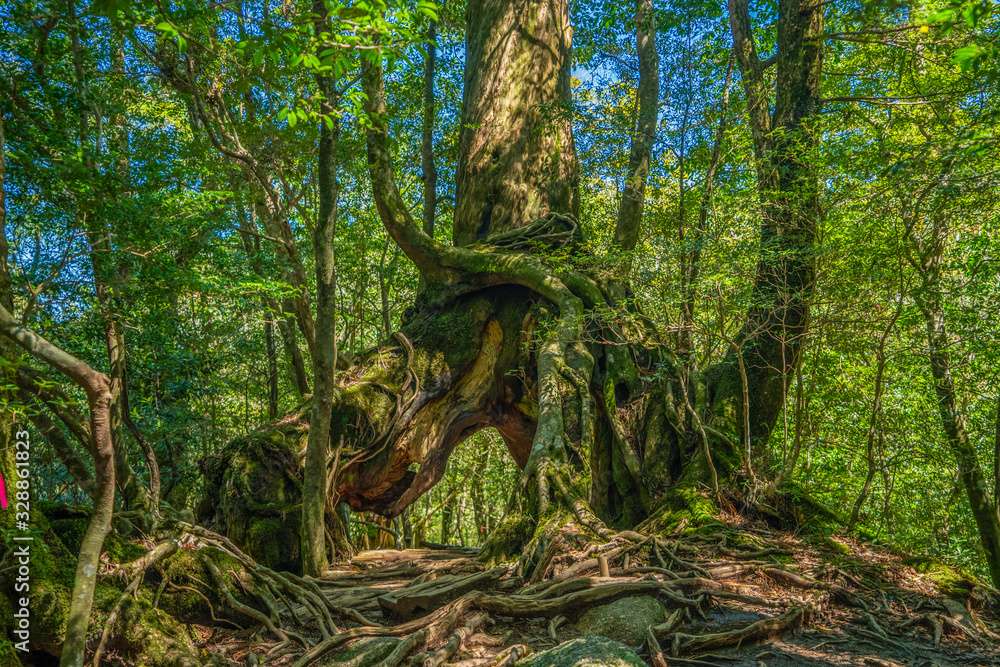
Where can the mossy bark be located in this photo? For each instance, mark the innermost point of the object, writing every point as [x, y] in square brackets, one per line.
[518, 327]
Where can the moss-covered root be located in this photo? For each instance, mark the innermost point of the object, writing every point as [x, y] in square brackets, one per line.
[149, 637]
[533, 535]
[685, 508]
[142, 635]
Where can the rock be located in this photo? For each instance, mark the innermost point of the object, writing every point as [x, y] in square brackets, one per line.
[592, 651]
[365, 653]
[625, 620]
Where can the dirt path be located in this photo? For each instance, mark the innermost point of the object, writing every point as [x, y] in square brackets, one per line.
[734, 595]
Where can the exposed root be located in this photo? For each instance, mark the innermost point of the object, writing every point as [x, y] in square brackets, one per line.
[137, 569]
[453, 610]
[454, 643]
[755, 632]
[427, 596]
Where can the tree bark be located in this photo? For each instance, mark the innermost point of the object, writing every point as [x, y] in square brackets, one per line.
[644, 132]
[516, 156]
[314, 482]
[97, 387]
[930, 298]
[788, 189]
[427, 138]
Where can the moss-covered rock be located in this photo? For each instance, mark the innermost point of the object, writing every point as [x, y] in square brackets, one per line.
[49, 614]
[625, 620]
[253, 492]
[591, 651]
[149, 637]
[363, 653]
[185, 573]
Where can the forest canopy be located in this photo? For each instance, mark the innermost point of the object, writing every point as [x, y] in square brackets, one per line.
[287, 284]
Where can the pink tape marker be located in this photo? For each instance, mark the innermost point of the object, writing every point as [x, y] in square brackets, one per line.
[3, 493]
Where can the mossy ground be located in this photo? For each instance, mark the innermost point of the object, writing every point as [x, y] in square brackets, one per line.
[144, 637]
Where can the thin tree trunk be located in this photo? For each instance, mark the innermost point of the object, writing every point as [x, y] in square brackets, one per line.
[285, 321]
[874, 420]
[427, 140]
[644, 132]
[447, 516]
[996, 458]
[984, 510]
[97, 387]
[931, 300]
[314, 482]
[407, 526]
[383, 287]
[272, 367]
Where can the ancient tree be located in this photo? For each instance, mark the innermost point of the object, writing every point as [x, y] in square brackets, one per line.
[518, 328]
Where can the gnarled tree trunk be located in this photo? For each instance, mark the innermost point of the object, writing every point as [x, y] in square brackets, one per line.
[507, 334]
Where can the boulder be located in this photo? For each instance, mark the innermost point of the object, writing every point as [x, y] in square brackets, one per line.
[625, 620]
[364, 653]
[592, 651]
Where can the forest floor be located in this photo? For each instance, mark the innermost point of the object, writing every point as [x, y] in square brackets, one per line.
[735, 593]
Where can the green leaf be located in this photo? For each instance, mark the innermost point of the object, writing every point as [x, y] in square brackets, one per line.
[967, 56]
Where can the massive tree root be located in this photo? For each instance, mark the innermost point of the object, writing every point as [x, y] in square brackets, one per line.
[572, 377]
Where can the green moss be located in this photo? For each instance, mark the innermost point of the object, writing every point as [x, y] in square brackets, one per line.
[151, 638]
[8, 654]
[950, 580]
[593, 651]
[49, 613]
[807, 513]
[274, 540]
[508, 538]
[184, 570]
[684, 507]
[253, 492]
[186, 573]
[120, 550]
[626, 620]
[68, 527]
[364, 653]
[836, 546]
[6, 615]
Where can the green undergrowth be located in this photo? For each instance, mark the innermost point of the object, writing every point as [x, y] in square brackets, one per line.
[144, 636]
